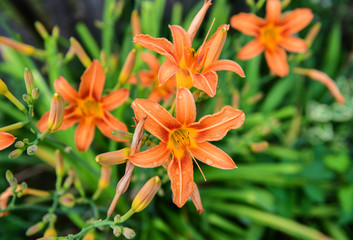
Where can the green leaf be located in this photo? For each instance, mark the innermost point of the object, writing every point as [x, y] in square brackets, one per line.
[337, 162]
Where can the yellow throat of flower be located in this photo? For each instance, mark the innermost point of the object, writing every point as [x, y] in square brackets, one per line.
[180, 140]
[90, 108]
[270, 36]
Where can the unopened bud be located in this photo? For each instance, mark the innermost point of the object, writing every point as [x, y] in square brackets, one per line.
[117, 231]
[59, 163]
[135, 23]
[35, 93]
[67, 200]
[15, 153]
[20, 47]
[259, 147]
[50, 232]
[127, 68]
[122, 135]
[198, 19]
[26, 140]
[51, 218]
[114, 157]
[104, 179]
[3, 87]
[128, 233]
[146, 194]
[117, 218]
[35, 228]
[41, 30]
[29, 82]
[56, 113]
[11, 180]
[31, 150]
[55, 32]
[23, 186]
[26, 98]
[6, 140]
[80, 52]
[216, 46]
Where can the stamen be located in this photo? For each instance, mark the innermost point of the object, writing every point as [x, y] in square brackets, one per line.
[209, 30]
[203, 175]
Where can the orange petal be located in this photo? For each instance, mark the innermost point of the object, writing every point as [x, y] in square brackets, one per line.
[64, 88]
[181, 40]
[212, 155]
[84, 134]
[6, 139]
[180, 172]
[155, 96]
[153, 157]
[296, 20]
[146, 77]
[247, 23]
[132, 79]
[252, 49]
[207, 82]
[115, 99]
[225, 65]
[214, 127]
[293, 44]
[277, 61]
[158, 45]
[151, 61]
[273, 10]
[167, 70]
[108, 124]
[92, 81]
[185, 107]
[159, 122]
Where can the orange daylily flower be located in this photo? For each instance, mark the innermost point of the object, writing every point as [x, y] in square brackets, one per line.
[6, 140]
[273, 35]
[185, 139]
[88, 108]
[190, 67]
[148, 77]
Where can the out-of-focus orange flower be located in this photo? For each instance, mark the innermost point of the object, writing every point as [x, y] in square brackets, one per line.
[149, 77]
[88, 108]
[273, 35]
[6, 140]
[185, 139]
[190, 67]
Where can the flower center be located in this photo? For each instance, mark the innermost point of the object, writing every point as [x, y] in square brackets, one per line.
[90, 108]
[180, 140]
[270, 36]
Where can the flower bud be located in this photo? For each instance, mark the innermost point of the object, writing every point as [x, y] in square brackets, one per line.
[55, 32]
[41, 30]
[68, 200]
[127, 68]
[135, 23]
[56, 113]
[15, 153]
[259, 147]
[128, 233]
[216, 46]
[26, 98]
[196, 22]
[146, 194]
[80, 52]
[9, 176]
[20, 47]
[59, 163]
[35, 93]
[104, 179]
[29, 82]
[114, 157]
[122, 135]
[50, 232]
[6, 140]
[117, 218]
[35, 228]
[3, 87]
[117, 231]
[31, 150]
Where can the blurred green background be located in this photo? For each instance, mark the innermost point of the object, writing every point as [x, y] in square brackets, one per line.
[300, 186]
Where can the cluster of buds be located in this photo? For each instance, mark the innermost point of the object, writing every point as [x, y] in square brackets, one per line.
[32, 93]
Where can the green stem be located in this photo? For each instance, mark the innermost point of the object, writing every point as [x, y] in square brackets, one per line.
[127, 215]
[87, 229]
